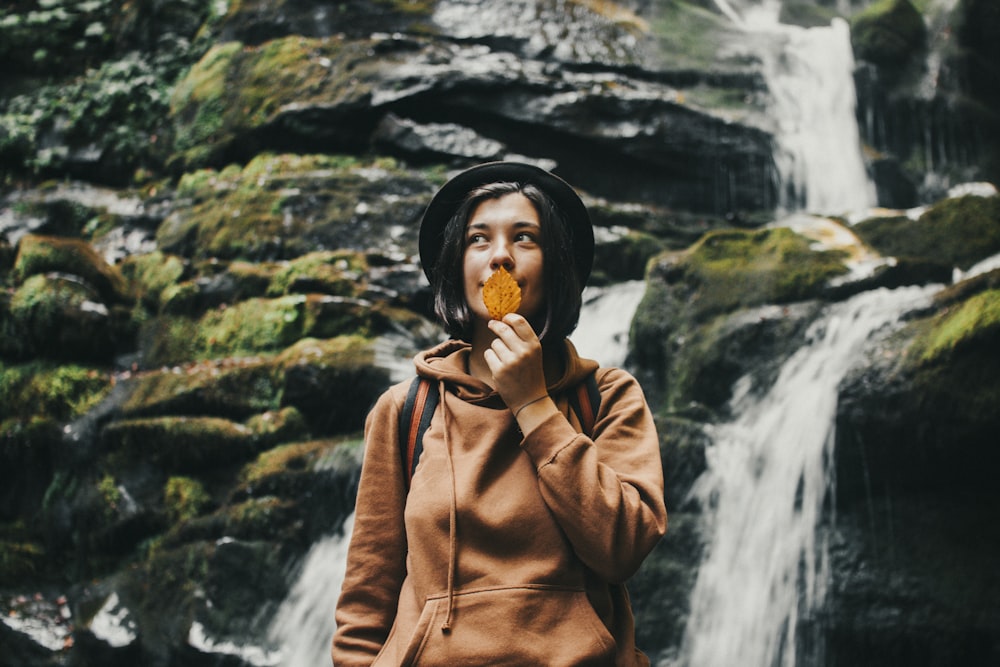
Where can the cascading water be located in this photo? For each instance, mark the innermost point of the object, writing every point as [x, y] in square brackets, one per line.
[764, 491]
[765, 569]
[303, 626]
[809, 73]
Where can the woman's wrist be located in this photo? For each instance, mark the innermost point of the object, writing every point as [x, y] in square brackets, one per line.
[517, 411]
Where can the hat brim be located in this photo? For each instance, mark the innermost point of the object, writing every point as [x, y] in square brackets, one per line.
[449, 198]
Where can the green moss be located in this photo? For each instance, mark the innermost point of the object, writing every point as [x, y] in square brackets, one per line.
[259, 518]
[110, 494]
[198, 102]
[295, 456]
[350, 350]
[336, 273]
[976, 321]
[688, 35]
[41, 254]
[61, 317]
[244, 213]
[889, 33]
[282, 425]
[185, 498]
[43, 390]
[150, 274]
[734, 269]
[177, 444]
[255, 326]
[959, 232]
[235, 389]
[237, 88]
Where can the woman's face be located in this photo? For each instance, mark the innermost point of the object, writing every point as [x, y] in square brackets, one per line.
[504, 232]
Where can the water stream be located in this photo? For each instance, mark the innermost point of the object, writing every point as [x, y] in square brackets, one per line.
[764, 494]
[809, 74]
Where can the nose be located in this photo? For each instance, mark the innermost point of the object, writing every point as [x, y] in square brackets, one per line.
[501, 256]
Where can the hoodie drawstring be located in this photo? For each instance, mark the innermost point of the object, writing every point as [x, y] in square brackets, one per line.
[453, 516]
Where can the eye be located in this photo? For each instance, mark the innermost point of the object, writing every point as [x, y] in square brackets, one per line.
[524, 237]
[476, 238]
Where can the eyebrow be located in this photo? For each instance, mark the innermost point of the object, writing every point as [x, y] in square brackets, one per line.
[520, 224]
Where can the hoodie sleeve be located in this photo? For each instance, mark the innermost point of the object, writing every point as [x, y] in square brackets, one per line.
[606, 491]
[376, 564]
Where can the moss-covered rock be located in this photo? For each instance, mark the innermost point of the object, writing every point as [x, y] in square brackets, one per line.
[332, 382]
[973, 324]
[959, 232]
[184, 498]
[61, 392]
[327, 272]
[696, 329]
[149, 275]
[890, 34]
[233, 388]
[254, 326]
[727, 270]
[286, 206]
[182, 445]
[624, 256]
[255, 21]
[44, 254]
[59, 317]
[236, 89]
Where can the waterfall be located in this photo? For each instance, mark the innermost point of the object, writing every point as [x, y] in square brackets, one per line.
[764, 491]
[810, 75]
[303, 625]
[605, 320]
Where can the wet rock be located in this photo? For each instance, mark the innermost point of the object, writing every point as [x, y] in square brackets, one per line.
[60, 317]
[434, 141]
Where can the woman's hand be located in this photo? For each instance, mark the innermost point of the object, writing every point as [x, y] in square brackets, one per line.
[515, 359]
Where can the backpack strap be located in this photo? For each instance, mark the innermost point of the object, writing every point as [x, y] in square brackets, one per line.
[418, 409]
[422, 399]
[585, 402]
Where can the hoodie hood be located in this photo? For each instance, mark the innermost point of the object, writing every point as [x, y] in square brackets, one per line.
[449, 363]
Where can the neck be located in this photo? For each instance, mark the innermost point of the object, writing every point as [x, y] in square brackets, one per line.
[482, 338]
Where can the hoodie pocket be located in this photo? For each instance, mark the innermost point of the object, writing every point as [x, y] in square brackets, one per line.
[521, 625]
[395, 651]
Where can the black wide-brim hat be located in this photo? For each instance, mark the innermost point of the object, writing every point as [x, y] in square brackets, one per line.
[451, 195]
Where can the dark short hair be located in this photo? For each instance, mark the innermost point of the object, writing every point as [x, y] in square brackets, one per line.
[562, 288]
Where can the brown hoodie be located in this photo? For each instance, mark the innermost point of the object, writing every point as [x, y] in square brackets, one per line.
[507, 549]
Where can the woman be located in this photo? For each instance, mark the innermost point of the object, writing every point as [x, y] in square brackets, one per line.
[512, 541]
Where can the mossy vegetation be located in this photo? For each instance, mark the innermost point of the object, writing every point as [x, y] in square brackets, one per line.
[973, 322]
[185, 498]
[890, 34]
[235, 88]
[234, 388]
[687, 34]
[959, 232]
[150, 274]
[325, 272]
[46, 390]
[255, 326]
[42, 254]
[734, 269]
[177, 444]
[284, 458]
[283, 206]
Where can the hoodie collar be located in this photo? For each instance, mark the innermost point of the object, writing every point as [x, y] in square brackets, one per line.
[448, 362]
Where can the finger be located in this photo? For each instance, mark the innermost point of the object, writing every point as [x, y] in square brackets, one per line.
[520, 326]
